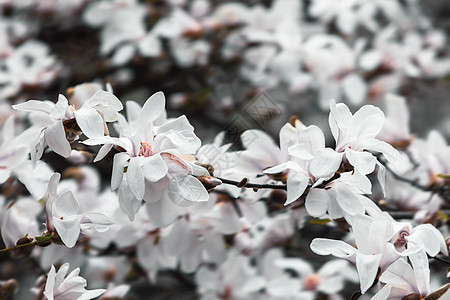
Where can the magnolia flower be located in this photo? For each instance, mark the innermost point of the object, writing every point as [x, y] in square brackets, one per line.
[154, 165]
[72, 287]
[55, 121]
[63, 217]
[374, 249]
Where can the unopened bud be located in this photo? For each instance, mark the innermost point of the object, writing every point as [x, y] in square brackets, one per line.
[242, 183]
[209, 182]
[25, 250]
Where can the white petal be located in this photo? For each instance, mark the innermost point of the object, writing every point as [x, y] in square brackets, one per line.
[135, 177]
[90, 122]
[65, 205]
[68, 229]
[364, 162]
[154, 168]
[367, 266]
[152, 109]
[334, 247]
[55, 137]
[189, 189]
[428, 236]
[296, 185]
[33, 105]
[119, 162]
[325, 163]
[59, 110]
[317, 202]
[347, 199]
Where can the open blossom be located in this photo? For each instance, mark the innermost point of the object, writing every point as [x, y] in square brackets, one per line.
[72, 287]
[55, 121]
[154, 166]
[62, 215]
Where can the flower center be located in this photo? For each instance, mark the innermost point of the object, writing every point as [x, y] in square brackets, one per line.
[401, 238]
[312, 282]
[145, 150]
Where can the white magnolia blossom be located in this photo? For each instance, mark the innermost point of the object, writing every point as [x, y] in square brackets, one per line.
[63, 217]
[71, 287]
[51, 119]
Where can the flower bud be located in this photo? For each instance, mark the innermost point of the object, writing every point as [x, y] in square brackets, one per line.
[209, 182]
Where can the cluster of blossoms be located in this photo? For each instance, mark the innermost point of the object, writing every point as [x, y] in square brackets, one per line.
[168, 204]
[120, 194]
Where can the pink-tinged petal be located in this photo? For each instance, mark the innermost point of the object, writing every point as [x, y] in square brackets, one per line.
[68, 229]
[50, 284]
[334, 247]
[383, 294]
[296, 186]
[102, 152]
[154, 168]
[119, 162]
[317, 202]
[135, 177]
[162, 213]
[366, 123]
[59, 110]
[421, 268]
[367, 266]
[177, 167]
[65, 205]
[189, 189]
[430, 237]
[364, 162]
[90, 122]
[325, 163]
[55, 137]
[348, 201]
[34, 105]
